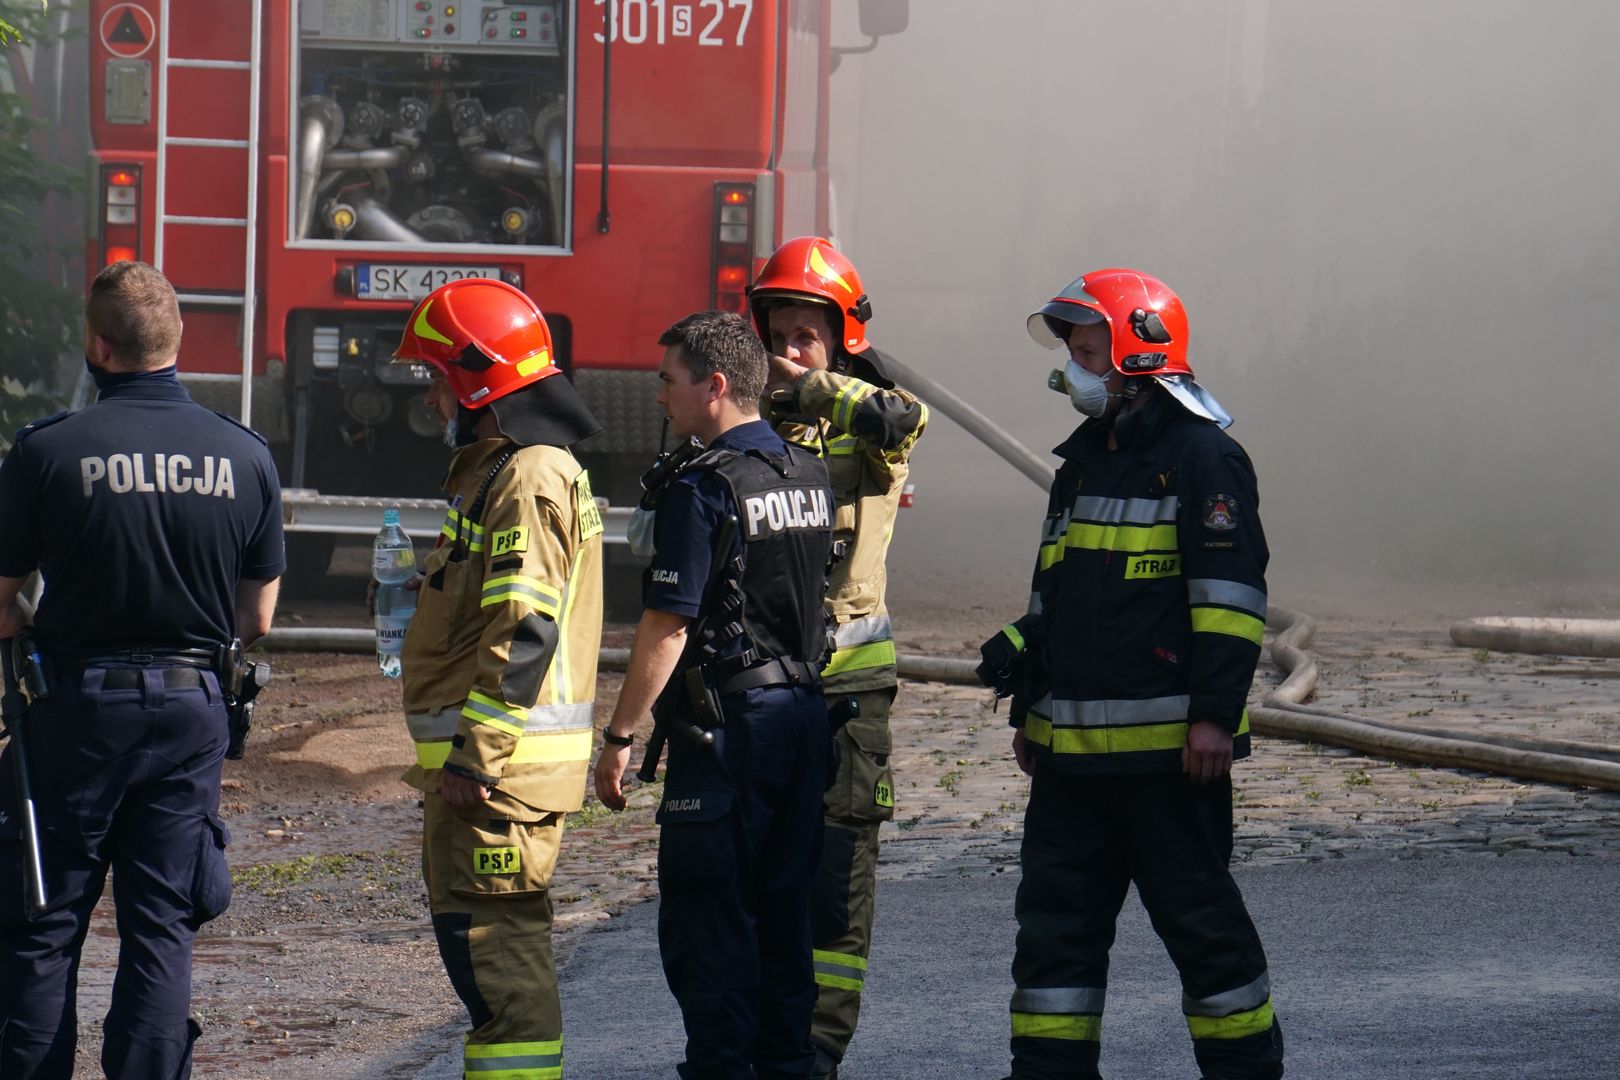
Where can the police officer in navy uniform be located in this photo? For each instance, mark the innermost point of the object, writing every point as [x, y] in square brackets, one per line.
[156, 525]
[735, 650]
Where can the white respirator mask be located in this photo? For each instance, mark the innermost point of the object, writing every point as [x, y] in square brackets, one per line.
[1088, 393]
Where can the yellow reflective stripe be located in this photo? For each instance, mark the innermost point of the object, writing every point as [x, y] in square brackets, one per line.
[1127, 539]
[483, 709]
[521, 590]
[1104, 740]
[871, 655]
[530, 750]
[828, 965]
[1236, 1026]
[841, 959]
[899, 452]
[847, 400]
[562, 689]
[513, 1061]
[1014, 636]
[1208, 620]
[1049, 1026]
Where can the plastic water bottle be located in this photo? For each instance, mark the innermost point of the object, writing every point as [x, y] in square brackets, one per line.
[393, 562]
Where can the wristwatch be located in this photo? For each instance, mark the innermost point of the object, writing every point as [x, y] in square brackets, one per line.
[616, 740]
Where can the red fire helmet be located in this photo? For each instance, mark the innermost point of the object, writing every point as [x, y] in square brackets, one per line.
[811, 270]
[1148, 323]
[486, 337]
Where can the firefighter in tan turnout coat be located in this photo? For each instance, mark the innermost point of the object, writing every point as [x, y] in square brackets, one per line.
[500, 663]
[830, 393]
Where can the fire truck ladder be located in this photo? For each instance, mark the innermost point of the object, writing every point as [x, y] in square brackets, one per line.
[250, 146]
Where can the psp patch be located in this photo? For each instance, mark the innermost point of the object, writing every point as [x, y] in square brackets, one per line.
[497, 860]
[510, 541]
[1220, 513]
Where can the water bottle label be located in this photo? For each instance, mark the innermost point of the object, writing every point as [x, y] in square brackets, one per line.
[391, 633]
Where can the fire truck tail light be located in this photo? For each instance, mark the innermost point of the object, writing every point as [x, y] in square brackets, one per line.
[121, 211]
[732, 249]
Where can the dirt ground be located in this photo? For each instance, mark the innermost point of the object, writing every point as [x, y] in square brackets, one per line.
[325, 964]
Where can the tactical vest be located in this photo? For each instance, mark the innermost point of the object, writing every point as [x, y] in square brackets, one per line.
[766, 602]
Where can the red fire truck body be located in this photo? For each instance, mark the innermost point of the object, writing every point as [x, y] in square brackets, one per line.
[304, 170]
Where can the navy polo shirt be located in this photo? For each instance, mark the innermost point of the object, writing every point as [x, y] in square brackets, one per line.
[689, 516]
[142, 512]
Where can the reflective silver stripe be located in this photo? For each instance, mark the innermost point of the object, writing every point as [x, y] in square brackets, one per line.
[426, 727]
[1102, 511]
[1228, 594]
[862, 631]
[1059, 1000]
[533, 1062]
[1043, 707]
[1034, 603]
[559, 717]
[1122, 713]
[1242, 999]
[1052, 530]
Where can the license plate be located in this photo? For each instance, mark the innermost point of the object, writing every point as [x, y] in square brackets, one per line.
[412, 281]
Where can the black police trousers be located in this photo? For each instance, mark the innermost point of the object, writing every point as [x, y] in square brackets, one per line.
[125, 771]
[739, 842]
[1086, 839]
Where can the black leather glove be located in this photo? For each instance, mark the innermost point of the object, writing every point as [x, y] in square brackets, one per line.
[1003, 656]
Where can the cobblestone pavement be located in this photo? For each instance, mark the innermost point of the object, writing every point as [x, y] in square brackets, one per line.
[270, 977]
[960, 797]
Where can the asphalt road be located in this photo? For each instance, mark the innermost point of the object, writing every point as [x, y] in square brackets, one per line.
[1407, 969]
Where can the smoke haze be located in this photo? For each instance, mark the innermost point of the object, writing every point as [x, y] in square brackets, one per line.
[1395, 225]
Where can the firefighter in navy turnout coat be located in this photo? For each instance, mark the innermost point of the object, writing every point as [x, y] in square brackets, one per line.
[730, 645]
[831, 394]
[156, 525]
[1128, 677]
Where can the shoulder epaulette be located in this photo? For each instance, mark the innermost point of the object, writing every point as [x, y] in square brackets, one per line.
[710, 460]
[28, 429]
[238, 423]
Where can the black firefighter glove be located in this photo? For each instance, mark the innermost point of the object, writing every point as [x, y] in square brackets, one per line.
[1004, 656]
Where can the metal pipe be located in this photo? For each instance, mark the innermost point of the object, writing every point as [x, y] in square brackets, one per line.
[372, 221]
[486, 160]
[379, 157]
[974, 422]
[321, 123]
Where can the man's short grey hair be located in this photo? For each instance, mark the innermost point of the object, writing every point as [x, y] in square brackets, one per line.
[712, 341]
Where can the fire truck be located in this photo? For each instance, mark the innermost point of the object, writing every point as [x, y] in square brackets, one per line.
[305, 170]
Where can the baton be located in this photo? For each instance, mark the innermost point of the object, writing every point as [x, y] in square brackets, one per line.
[15, 711]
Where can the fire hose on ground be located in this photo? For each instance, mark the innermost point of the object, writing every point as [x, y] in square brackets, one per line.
[1282, 713]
